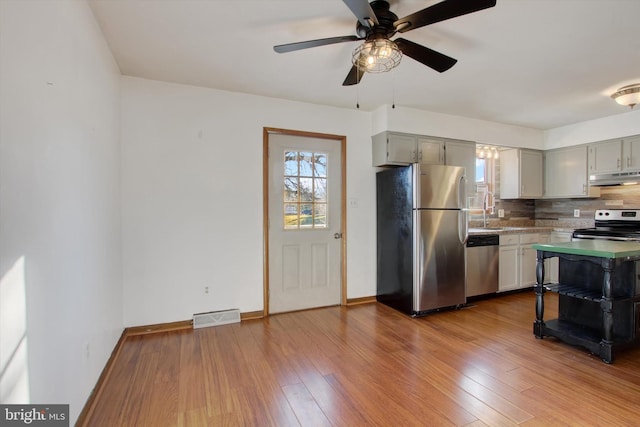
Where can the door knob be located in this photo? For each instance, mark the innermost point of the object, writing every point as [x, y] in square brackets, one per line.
[337, 236]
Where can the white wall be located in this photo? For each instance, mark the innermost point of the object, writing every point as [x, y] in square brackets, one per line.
[192, 197]
[624, 124]
[60, 256]
[409, 120]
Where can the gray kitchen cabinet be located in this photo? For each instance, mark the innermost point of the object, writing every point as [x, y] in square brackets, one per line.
[566, 173]
[508, 263]
[394, 149]
[398, 149]
[430, 151]
[615, 155]
[517, 260]
[605, 156]
[631, 153]
[520, 174]
[462, 153]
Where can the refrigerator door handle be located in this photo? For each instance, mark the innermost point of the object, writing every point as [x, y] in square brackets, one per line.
[463, 226]
[462, 193]
[463, 222]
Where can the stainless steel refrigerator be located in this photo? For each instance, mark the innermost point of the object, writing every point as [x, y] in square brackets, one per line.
[422, 228]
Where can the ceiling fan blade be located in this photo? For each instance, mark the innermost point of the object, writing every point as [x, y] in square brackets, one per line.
[436, 60]
[290, 47]
[442, 11]
[363, 11]
[354, 77]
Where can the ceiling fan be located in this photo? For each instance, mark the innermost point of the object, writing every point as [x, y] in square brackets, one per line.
[377, 24]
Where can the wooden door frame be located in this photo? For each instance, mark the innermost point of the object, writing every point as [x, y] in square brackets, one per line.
[265, 206]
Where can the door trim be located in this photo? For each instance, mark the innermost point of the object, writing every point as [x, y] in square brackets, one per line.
[265, 207]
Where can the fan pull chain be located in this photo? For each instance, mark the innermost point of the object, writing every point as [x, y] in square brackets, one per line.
[357, 87]
[393, 89]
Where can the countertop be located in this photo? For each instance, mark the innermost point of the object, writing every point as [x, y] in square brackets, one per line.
[593, 248]
[516, 230]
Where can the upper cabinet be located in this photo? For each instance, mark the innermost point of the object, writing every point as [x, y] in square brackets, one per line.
[520, 174]
[631, 152]
[615, 155]
[566, 173]
[398, 149]
[462, 153]
[430, 151]
[394, 149]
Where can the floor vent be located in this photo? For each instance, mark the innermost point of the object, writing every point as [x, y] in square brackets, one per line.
[215, 318]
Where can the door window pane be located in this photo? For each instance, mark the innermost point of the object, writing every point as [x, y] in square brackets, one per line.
[291, 163]
[305, 190]
[320, 164]
[291, 189]
[306, 164]
[320, 215]
[290, 216]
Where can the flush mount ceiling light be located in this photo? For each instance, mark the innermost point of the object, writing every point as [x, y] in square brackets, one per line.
[377, 56]
[628, 95]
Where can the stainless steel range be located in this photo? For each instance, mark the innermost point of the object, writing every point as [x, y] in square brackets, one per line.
[613, 224]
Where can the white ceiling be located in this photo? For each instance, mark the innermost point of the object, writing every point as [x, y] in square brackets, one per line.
[535, 63]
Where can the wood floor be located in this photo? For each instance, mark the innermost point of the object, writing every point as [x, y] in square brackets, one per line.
[369, 365]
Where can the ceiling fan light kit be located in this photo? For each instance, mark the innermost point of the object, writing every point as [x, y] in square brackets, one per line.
[377, 56]
[377, 24]
[628, 95]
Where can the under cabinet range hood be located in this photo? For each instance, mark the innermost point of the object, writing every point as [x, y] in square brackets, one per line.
[615, 178]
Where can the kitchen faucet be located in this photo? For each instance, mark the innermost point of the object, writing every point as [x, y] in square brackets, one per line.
[485, 206]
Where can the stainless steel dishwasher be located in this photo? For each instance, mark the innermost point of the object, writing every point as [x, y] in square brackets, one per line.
[482, 264]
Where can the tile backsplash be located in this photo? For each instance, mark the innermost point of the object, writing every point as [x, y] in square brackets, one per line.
[559, 212]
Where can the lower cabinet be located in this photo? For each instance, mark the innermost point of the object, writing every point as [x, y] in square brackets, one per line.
[518, 260]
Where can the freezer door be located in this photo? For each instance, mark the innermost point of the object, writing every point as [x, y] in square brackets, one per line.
[439, 187]
[395, 238]
[439, 276]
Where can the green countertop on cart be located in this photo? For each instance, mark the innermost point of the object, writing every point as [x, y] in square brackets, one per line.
[593, 248]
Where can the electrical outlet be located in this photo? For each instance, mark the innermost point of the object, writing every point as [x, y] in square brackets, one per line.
[206, 289]
[576, 213]
[500, 213]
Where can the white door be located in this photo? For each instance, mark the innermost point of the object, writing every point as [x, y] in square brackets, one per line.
[305, 222]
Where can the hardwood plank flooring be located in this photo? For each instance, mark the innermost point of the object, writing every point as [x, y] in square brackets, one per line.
[369, 365]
